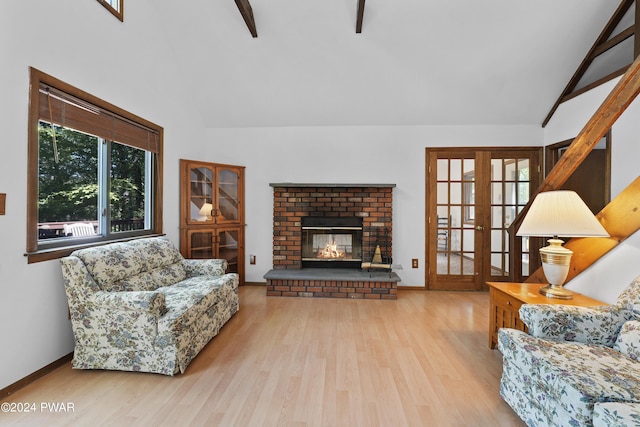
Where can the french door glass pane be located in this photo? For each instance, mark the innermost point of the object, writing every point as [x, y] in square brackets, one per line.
[455, 199]
[456, 193]
[509, 194]
[455, 171]
[442, 193]
[525, 256]
[442, 172]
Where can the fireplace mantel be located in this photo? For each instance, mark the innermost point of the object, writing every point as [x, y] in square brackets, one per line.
[325, 185]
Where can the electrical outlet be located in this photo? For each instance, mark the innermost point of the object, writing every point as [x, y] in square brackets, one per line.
[252, 259]
[414, 263]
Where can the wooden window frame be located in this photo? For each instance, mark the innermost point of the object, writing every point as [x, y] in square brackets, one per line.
[36, 252]
[118, 13]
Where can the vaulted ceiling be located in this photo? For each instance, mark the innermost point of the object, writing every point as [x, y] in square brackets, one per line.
[416, 62]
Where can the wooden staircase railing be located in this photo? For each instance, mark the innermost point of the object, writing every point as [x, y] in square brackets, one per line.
[622, 95]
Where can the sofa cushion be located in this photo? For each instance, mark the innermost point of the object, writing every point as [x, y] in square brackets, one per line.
[169, 275]
[188, 300]
[628, 341]
[571, 375]
[140, 282]
[112, 263]
[156, 252]
[630, 296]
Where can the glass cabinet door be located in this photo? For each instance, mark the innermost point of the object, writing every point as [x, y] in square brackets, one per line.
[228, 248]
[200, 244]
[228, 196]
[201, 194]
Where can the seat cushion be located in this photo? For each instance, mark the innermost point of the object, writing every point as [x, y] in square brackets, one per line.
[188, 300]
[111, 264]
[573, 375]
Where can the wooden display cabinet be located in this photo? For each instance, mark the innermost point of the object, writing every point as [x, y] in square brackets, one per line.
[212, 213]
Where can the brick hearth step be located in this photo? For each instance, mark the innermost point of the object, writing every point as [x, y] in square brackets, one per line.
[332, 283]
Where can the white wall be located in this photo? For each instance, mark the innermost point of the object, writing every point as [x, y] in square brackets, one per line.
[122, 63]
[607, 278]
[356, 154]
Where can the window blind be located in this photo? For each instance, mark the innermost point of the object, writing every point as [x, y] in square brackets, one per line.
[68, 111]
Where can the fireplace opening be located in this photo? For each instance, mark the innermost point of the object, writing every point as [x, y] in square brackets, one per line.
[334, 242]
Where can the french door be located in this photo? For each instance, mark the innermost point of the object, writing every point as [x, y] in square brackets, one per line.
[473, 196]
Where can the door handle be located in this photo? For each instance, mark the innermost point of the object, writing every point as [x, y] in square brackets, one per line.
[479, 228]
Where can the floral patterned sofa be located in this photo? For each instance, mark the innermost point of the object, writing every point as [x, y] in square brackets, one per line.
[577, 366]
[140, 306]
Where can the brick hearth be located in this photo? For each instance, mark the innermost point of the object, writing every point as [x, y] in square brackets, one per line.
[332, 283]
[372, 202]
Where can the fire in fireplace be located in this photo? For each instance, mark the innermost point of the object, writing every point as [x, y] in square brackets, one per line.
[332, 242]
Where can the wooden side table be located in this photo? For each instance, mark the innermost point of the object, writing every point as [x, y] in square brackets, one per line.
[506, 299]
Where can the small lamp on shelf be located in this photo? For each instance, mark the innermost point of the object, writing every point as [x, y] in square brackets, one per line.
[205, 211]
[559, 213]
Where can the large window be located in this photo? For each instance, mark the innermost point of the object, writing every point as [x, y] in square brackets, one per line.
[95, 171]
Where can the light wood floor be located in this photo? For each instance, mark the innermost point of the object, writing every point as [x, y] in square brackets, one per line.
[422, 360]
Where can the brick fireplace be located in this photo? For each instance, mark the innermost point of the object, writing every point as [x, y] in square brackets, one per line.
[372, 203]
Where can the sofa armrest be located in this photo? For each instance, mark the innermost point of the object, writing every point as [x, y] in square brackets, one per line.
[205, 267]
[144, 302]
[118, 319]
[589, 325]
[78, 282]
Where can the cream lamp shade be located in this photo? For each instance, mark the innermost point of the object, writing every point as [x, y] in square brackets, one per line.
[556, 214]
[206, 209]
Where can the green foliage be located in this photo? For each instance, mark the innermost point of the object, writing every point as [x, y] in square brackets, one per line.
[68, 189]
[127, 182]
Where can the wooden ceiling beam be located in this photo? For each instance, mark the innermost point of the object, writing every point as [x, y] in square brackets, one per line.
[247, 14]
[360, 16]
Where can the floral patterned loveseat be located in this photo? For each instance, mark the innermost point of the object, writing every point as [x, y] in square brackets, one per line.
[140, 306]
[577, 366]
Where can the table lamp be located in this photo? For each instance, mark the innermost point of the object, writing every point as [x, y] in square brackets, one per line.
[559, 213]
[206, 210]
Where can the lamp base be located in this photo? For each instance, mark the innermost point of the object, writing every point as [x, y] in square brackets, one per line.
[551, 291]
